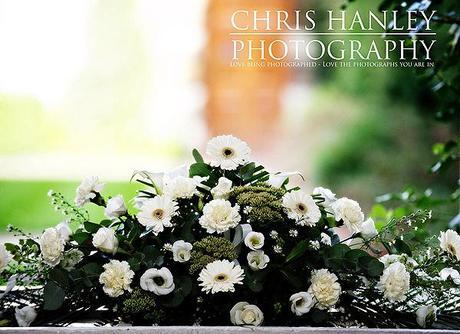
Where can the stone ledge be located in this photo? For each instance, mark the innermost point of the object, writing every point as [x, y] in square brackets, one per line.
[213, 330]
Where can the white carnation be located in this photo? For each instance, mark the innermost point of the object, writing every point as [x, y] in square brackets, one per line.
[257, 260]
[325, 288]
[220, 276]
[116, 278]
[426, 314]
[181, 251]
[301, 207]
[115, 207]
[394, 282]
[87, 190]
[219, 216]
[156, 213]
[301, 302]
[158, 281]
[105, 240]
[5, 257]
[245, 314]
[222, 189]
[327, 194]
[51, 246]
[254, 240]
[25, 316]
[227, 152]
[450, 243]
[349, 212]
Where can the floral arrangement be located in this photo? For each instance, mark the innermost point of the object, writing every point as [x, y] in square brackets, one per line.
[226, 242]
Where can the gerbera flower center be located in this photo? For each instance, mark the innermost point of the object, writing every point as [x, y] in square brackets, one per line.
[159, 280]
[301, 207]
[228, 152]
[221, 277]
[158, 214]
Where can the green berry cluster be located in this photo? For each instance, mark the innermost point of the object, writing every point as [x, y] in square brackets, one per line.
[208, 250]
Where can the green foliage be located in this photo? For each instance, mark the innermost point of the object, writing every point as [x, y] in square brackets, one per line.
[138, 301]
[208, 250]
[264, 202]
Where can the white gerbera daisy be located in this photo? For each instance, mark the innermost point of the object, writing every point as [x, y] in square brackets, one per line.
[450, 243]
[227, 152]
[219, 216]
[301, 207]
[220, 276]
[156, 213]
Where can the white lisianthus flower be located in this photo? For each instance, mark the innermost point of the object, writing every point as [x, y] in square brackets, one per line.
[327, 194]
[450, 243]
[301, 207]
[87, 190]
[278, 179]
[115, 207]
[71, 259]
[388, 259]
[181, 251]
[25, 316]
[326, 239]
[227, 152]
[452, 273]
[116, 278]
[325, 288]
[105, 240]
[220, 276]
[51, 246]
[158, 281]
[257, 260]
[156, 213]
[245, 314]
[301, 302]
[426, 314]
[368, 229]
[180, 187]
[64, 230]
[5, 257]
[222, 189]
[219, 216]
[349, 212]
[394, 282]
[254, 240]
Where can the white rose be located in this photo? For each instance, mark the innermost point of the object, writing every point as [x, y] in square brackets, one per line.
[452, 273]
[258, 260]
[254, 240]
[25, 316]
[64, 230]
[325, 288]
[222, 189]
[450, 243]
[327, 194]
[87, 190]
[115, 207]
[394, 282]
[5, 257]
[368, 229]
[246, 314]
[181, 251]
[301, 302]
[219, 216]
[116, 278]
[326, 239]
[349, 212]
[158, 281]
[105, 240]
[51, 246]
[426, 314]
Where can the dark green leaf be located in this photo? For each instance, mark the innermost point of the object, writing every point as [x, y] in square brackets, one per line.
[91, 227]
[402, 247]
[197, 156]
[59, 277]
[297, 251]
[53, 296]
[81, 237]
[200, 169]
